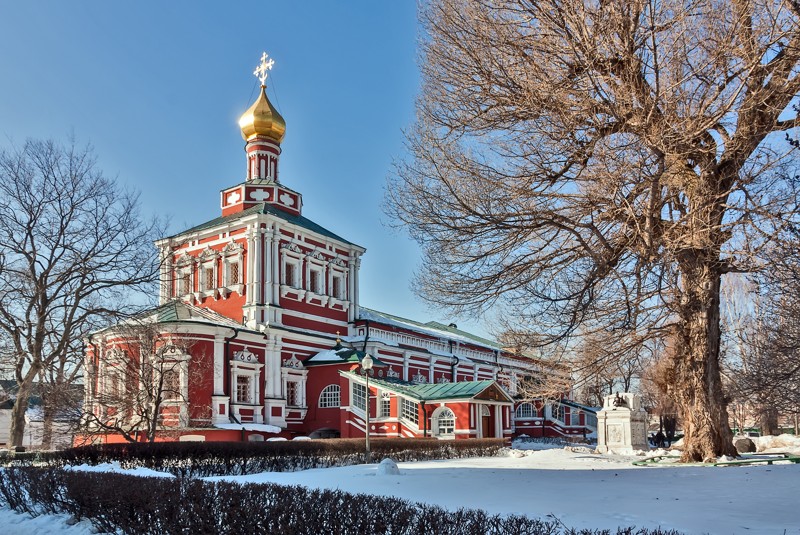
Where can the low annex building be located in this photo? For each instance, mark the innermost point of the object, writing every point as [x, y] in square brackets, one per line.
[259, 333]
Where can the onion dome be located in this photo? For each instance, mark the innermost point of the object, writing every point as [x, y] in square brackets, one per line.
[262, 120]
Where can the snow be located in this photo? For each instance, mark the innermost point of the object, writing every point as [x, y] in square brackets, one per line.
[578, 487]
[116, 468]
[22, 524]
[266, 428]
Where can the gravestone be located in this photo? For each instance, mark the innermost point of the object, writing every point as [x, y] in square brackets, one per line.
[622, 424]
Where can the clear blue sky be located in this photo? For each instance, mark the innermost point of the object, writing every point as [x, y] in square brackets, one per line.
[157, 89]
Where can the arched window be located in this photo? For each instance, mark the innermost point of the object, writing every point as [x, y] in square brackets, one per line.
[330, 397]
[444, 422]
[526, 410]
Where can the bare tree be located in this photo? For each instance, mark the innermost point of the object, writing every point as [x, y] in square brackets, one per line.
[601, 165]
[766, 376]
[73, 248]
[138, 379]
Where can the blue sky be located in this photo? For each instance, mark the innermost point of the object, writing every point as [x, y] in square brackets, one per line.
[157, 89]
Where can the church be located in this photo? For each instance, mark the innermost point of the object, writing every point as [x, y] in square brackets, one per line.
[260, 334]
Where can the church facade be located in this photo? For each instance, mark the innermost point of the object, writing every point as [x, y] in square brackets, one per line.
[260, 334]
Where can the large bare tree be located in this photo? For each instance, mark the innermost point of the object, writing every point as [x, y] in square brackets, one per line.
[73, 248]
[602, 165]
[138, 380]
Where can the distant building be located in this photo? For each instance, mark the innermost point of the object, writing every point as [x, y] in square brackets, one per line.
[64, 424]
[270, 302]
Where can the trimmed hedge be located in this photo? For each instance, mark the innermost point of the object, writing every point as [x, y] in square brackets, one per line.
[203, 459]
[129, 504]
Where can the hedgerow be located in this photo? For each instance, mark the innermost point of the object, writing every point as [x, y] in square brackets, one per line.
[203, 459]
[119, 503]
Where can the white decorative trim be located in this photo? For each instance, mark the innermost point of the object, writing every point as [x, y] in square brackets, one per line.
[293, 363]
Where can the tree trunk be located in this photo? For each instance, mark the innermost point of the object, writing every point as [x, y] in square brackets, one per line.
[48, 415]
[768, 420]
[697, 384]
[18, 412]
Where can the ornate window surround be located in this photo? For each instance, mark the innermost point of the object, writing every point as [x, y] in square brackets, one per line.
[444, 416]
[233, 253]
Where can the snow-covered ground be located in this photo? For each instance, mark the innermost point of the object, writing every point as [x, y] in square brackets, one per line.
[580, 488]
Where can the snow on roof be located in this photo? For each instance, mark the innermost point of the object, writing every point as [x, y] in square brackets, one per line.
[432, 328]
[264, 428]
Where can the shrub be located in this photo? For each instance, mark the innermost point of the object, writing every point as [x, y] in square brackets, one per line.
[203, 459]
[128, 504]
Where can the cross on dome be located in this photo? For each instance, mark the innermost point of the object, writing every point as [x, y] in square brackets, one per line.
[262, 71]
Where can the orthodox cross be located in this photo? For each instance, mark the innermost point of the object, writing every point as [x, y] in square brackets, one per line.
[262, 71]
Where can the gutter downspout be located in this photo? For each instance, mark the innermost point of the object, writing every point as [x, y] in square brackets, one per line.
[454, 360]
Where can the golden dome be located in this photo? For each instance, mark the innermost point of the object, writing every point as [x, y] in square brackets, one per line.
[262, 120]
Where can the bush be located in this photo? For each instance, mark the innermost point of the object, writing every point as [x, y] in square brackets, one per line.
[129, 504]
[203, 459]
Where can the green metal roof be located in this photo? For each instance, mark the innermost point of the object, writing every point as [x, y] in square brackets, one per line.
[339, 354]
[432, 392]
[267, 209]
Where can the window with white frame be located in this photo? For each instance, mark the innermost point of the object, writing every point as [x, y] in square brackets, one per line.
[292, 394]
[558, 412]
[330, 397]
[408, 411]
[337, 286]
[445, 422]
[574, 416]
[171, 385]
[233, 273]
[290, 274]
[386, 405]
[526, 410]
[315, 279]
[360, 396]
[209, 276]
[243, 390]
[232, 256]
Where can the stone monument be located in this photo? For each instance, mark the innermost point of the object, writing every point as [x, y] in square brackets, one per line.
[622, 424]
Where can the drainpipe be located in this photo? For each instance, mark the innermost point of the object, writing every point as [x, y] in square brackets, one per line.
[366, 335]
[454, 360]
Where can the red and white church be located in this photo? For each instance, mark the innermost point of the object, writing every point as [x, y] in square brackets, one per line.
[270, 302]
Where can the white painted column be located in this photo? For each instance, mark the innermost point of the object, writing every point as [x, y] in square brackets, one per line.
[405, 365]
[276, 267]
[431, 369]
[269, 272]
[219, 365]
[251, 257]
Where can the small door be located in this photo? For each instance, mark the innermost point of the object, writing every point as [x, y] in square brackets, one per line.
[487, 429]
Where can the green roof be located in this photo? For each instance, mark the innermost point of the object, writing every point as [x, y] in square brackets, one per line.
[432, 392]
[267, 209]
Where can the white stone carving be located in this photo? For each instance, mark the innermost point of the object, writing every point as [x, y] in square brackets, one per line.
[621, 424]
[293, 363]
[245, 355]
[286, 199]
[233, 197]
[391, 374]
[259, 195]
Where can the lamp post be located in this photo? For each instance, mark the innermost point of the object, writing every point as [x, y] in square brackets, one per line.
[366, 369]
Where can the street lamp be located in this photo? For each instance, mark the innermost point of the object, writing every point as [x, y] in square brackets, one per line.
[366, 369]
